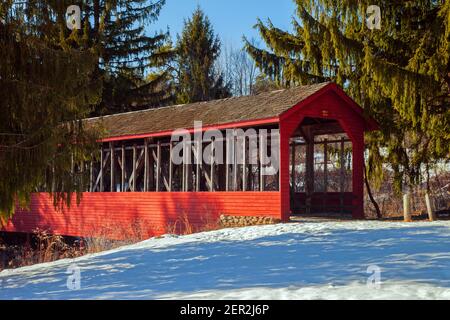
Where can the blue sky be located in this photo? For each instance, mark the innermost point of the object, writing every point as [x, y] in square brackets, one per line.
[231, 19]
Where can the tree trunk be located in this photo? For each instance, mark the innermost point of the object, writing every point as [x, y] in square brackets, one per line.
[369, 192]
[96, 18]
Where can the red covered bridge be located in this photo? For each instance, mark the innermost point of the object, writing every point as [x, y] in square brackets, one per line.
[293, 151]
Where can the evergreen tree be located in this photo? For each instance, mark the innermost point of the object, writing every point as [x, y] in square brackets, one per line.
[44, 92]
[134, 64]
[399, 74]
[198, 48]
[51, 77]
[115, 31]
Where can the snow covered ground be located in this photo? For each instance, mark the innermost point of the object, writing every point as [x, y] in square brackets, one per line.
[306, 260]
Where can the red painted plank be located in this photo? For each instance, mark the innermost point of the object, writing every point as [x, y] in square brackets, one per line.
[123, 215]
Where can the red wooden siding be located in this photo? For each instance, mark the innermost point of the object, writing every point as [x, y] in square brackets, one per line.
[140, 214]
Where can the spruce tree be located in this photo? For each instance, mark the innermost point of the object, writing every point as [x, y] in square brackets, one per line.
[115, 31]
[399, 74]
[134, 64]
[44, 92]
[198, 49]
[51, 77]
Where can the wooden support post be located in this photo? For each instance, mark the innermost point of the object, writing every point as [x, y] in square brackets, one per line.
[244, 163]
[82, 170]
[325, 174]
[235, 160]
[111, 150]
[101, 169]
[342, 175]
[325, 165]
[261, 173]
[309, 174]
[431, 213]
[407, 207]
[91, 176]
[158, 165]
[310, 167]
[72, 165]
[183, 168]
[53, 187]
[146, 165]
[122, 180]
[212, 166]
[227, 163]
[293, 166]
[188, 168]
[198, 160]
[170, 166]
[151, 169]
[133, 184]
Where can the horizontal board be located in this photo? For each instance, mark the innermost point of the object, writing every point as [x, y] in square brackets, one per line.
[124, 215]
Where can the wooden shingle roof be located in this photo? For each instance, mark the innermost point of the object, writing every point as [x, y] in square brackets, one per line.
[237, 109]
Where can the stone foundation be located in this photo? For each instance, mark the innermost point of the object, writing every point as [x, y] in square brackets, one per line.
[242, 221]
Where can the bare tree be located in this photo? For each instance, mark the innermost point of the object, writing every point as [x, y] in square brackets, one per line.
[238, 69]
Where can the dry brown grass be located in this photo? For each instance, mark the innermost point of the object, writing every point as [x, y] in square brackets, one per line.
[391, 204]
[184, 226]
[41, 246]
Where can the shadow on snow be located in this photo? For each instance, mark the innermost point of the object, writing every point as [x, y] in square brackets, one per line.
[302, 259]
